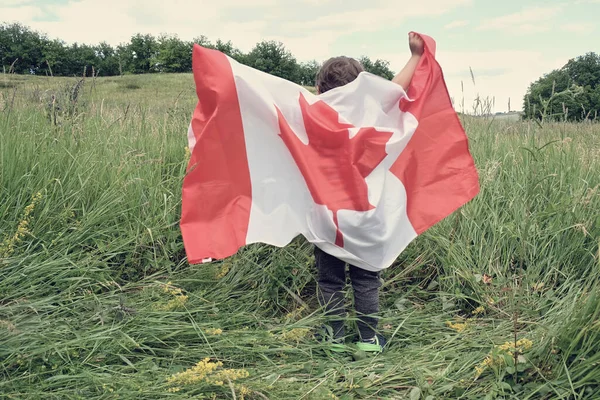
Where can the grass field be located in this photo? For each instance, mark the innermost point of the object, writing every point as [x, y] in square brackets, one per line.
[499, 301]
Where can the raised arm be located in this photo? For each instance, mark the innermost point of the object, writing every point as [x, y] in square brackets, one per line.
[404, 77]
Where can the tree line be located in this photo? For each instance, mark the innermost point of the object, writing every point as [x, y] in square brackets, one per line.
[25, 51]
[571, 93]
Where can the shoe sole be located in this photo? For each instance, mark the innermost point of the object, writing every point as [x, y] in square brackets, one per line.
[369, 347]
[339, 348]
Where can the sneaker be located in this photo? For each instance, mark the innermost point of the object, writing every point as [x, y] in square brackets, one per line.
[335, 345]
[339, 347]
[373, 345]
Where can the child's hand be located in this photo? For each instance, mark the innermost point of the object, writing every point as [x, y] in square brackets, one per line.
[416, 44]
[417, 47]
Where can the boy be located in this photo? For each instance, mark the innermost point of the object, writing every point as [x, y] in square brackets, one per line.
[337, 72]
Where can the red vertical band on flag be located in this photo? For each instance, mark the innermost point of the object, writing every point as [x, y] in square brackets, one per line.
[436, 167]
[217, 192]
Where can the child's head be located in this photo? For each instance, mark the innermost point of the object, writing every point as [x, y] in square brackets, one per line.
[337, 71]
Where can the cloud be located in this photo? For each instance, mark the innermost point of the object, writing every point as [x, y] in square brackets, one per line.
[115, 21]
[382, 13]
[12, 3]
[529, 20]
[23, 14]
[456, 24]
[244, 23]
[311, 38]
[584, 28]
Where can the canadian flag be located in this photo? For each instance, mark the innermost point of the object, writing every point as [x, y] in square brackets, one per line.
[359, 171]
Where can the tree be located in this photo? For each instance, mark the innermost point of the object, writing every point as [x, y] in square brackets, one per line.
[379, 67]
[21, 48]
[142, 49]
[25, 51]
[81, 59]
[203, 41]
[108, 60]
[55, 58]
[307, 72]
[571, 92]
[273, 58]
[173, 55]
[228, 49]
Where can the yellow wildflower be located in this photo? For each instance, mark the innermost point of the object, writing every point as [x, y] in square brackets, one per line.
[525, 343]
[295, 313]
[178, 300]
[214, 332]
[226, 375]
[479, 310]
[174, 304]
[521, 346]
[487, 362]
[458, 327]
[243, 391]
[7, 247]
[294, 335]
[195, 374]
[224, 270]
[506, 346]
[169, 288]
[207, 371]
[509, 348]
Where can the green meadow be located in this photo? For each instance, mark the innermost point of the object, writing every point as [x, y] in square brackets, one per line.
[97, 301]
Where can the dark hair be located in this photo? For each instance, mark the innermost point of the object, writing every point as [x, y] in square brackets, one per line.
[337, 71]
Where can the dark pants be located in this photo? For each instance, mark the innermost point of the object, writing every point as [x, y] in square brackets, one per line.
[365, 285]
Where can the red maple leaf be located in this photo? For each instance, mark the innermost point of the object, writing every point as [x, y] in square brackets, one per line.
[334, 165]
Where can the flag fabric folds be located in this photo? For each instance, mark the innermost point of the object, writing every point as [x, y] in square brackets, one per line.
[360, 171]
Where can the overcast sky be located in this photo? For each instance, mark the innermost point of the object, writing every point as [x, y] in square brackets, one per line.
[508, 44]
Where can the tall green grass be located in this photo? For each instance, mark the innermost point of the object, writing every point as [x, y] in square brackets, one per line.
[97, 300]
